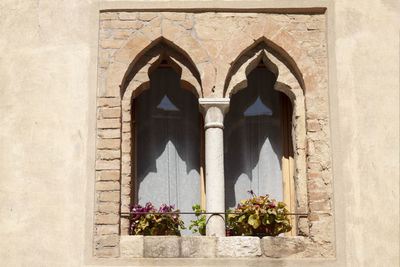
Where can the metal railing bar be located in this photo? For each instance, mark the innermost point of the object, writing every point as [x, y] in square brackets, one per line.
[200, 213]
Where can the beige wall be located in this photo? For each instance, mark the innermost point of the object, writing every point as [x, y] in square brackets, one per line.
[48, 83]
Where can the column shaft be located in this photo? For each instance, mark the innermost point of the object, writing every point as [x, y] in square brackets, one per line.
[215, 183]
[214, 111]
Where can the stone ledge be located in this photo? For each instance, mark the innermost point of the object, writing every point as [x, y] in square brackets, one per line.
[213, 247]
[131, 246]
[282, 246]
[162, 246]
[198, 246]
[238, 246]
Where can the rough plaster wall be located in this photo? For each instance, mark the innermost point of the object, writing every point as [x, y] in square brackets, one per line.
[45, 57]
[47, 77]
[367, 134]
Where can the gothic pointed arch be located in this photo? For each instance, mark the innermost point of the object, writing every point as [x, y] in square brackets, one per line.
[289, 83]
[279, 43]
[135, 81]
[128, 57]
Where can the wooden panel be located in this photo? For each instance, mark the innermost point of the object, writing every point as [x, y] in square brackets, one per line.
[134, 155]
[287, 159]
[202, 166]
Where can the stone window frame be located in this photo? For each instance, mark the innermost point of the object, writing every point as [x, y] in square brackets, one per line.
[109, 104]
[295, 193]
[159, 52]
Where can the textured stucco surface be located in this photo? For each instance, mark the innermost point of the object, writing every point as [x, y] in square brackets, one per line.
[48, 87]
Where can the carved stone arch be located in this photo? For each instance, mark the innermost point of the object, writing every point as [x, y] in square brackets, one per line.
[287, 83]
[135, 82]
[139, 44]
[278, 42]
[272, 49]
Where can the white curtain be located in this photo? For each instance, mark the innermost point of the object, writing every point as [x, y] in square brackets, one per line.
[252, 142]
[168, 135]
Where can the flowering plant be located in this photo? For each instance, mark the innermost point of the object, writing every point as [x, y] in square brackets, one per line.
[155, 222]
[200, 223]
[259, 215]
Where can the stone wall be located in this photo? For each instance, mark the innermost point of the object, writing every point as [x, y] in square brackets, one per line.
[214, 52]
[48, 74]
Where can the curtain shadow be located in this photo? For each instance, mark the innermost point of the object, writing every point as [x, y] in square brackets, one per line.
[166, 114]
[253, 117]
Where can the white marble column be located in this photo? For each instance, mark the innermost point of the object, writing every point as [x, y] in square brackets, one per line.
[214, 110]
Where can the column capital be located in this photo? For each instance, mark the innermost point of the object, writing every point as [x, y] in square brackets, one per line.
[214, 110]
[221, 103]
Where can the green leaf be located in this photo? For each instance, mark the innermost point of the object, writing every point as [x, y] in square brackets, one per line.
[254, 221]
[264, 220]
[241, 218]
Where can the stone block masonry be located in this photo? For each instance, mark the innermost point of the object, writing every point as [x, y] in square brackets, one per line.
[213, 42]
[214, 247]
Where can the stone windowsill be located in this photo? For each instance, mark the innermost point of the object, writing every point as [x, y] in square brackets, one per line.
[213, 247]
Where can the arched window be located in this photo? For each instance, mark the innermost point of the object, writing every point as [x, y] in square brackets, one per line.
[168, 140]
[257, 137]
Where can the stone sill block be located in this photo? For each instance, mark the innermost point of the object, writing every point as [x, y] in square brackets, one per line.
[213, 247]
